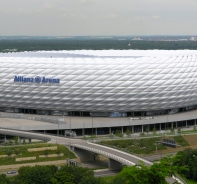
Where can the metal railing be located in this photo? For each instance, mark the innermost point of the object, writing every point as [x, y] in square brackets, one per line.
[179, 179]
[34, 118]
[109, 155]
[25, 134]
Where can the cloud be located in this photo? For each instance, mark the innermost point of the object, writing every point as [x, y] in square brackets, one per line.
[147, 18]
[86, 2]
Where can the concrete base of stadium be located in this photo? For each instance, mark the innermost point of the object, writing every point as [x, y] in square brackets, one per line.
[98, 125]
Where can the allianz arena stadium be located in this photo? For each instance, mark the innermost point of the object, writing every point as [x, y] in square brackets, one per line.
[100, 83]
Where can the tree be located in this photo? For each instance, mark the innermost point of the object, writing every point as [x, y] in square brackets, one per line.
[147, 130]
[75, 175]
[128, 132]
[4, 179]
[187, 158]
[154, 131]
[37, 174]
[142, 174]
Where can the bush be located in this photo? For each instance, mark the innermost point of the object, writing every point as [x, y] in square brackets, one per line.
[128, 132]
[154, 131]
[179, 130]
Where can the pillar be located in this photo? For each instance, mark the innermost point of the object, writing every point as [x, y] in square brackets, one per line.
[109, 130]
[133, 129]
[95, 131]
[186, 123]
[195, 122]
[142, 128]
[160, 127]
[83, 131]
[19, 140]
[5, 138]
[58, 132]
[114, 165]
[171, 124]
[176, 124]
[122, 130]
[29, 140]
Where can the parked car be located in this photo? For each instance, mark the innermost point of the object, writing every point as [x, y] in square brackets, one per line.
[12, 172]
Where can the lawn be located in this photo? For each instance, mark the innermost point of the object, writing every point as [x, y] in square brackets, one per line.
[137, 146]
[21, 151]
[143, 146]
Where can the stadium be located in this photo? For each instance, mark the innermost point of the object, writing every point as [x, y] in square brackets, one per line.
[102, 88]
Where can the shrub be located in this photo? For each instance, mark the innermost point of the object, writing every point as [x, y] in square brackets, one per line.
[154, 131]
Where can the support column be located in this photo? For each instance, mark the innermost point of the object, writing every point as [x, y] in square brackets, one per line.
[109, 130]
[160, 127]
[19, 140]
[186, 123]
[122, 130]
[5, 140]
[142, 128]
[171, 124]
[114, 165]
[95, 131]
[83, 132]
[176, 124]
[29, 140]
[58, 132]
[133, 129]
[195, 121]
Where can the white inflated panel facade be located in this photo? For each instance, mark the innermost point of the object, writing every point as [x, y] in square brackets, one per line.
[109, 81]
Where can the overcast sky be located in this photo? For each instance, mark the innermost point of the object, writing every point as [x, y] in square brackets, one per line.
[97, 17]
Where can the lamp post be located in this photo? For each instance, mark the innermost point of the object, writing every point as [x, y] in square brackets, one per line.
[70, 123]
[92, 126]
[130, 125]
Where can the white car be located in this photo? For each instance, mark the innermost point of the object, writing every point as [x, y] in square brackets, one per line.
[12, 172]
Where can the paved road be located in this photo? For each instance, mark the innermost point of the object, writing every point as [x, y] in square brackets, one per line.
[105, 173]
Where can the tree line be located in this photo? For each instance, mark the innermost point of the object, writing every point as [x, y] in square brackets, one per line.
[10, 45]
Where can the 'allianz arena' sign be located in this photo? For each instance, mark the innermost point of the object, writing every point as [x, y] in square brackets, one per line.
[36, 79]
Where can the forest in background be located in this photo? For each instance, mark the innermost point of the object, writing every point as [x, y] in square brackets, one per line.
[18, 44]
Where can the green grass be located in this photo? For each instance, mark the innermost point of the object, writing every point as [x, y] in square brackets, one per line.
[137, 146]
[181, 141]
[189, 131]
[188, 181]
[108, 179]
[142, 145]
[21, 152]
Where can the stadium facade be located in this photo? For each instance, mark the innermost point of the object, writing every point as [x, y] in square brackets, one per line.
[122, 82]
[109, 83]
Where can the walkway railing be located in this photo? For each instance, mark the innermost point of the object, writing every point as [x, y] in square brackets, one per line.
[19, 133]
[109, 155]
[31, 117]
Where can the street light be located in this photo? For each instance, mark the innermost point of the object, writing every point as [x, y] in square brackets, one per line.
[92, 126]
[70, 123]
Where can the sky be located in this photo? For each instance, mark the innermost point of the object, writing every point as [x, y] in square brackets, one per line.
[97, 17]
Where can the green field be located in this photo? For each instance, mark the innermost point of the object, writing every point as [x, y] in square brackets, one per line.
[21, 151]
[142, 146]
